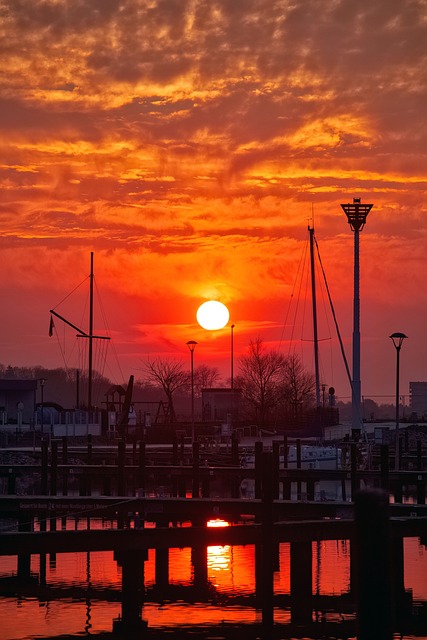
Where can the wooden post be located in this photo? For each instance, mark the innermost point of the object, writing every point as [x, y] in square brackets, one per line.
[301, 582]
[286, 487]
[373, 553]
[258, 468]
[343, 489]
[206, 487]
[234, 449]
[268, 546]
[11, 483]
[235, 479]
[24, 559]
[421, 490]
[54, 468]
[285, 451]
[64, 461]
[384, 465]
[182, 448]
[275, 461]
[132, 563]
[311, 490]
[419, 456]
[141, 468]
[106, 485]
[121, 459]
[175, 462]
[44, 471]
[199, 560]
[162, 569]
[298, 448]
[354, 477]
[162, 561]
[174, 450]
[182, 485]
[89, 448]
[196, 471]
[399, 598]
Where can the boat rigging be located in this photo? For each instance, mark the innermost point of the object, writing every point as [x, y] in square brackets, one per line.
[83, 334]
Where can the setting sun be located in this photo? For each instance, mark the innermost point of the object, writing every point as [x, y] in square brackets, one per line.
[212, 315]
[187, 144]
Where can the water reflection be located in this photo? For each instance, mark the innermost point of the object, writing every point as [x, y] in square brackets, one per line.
[81, 592]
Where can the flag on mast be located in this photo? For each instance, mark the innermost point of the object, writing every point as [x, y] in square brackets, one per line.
[51, 325]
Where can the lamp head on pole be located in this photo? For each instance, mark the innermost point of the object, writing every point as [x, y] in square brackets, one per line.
[191, 344]
[398, 339]
[356, 213]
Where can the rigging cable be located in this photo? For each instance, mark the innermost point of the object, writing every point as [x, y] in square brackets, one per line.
[70, 293]
[334, 316]
[301, 263]
[104, 317]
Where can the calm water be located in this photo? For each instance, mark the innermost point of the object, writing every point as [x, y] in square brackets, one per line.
[66, 607]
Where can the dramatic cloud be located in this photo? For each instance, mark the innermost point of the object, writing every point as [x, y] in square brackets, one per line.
[188, 143]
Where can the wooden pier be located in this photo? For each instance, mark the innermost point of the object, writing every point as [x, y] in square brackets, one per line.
[141, 522]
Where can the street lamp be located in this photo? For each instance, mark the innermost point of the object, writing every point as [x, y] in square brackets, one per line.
[356, 213]
[232, 356]
[191, 344]
[397, 339]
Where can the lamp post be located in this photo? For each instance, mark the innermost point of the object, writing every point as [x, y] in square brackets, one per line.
[42, 383]
[356, 216]
[232, 356]
[191, 344]
[397, 339]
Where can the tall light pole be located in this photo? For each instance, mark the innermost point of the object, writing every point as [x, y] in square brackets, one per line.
[356, 215]
[397, 339]
[191, 344]
[232, 356]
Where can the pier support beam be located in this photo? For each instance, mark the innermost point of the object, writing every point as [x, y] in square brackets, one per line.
[24, 559]
[142, 461]
[121, 461]
[196, 470]
[132, 563]
[301, 582]
[162, 568]
[269, 548]
[373, 556]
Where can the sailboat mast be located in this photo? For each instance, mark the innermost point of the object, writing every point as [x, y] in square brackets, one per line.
[89, 400]
[83, 334]
[313, 296]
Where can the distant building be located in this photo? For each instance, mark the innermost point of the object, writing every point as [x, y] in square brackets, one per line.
[221, 405]
[17, 401]
[418, 398]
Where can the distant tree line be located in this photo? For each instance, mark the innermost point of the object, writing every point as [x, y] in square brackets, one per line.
[275, 389]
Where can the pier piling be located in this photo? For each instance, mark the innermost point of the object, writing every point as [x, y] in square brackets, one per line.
[373, 557]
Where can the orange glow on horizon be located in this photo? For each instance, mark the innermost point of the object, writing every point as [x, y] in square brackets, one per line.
[189, 146]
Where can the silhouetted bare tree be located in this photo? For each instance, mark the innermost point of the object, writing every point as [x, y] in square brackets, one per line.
[260, 374]
[171, 376]
[273, 386]
[296, 389]
[205, 377]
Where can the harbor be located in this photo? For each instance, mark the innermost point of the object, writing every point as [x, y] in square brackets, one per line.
[159, 499]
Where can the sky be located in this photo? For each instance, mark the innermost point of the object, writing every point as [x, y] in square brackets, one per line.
[189, 144]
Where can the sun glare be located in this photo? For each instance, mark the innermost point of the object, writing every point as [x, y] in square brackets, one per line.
[212, 315]
[218, 522]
